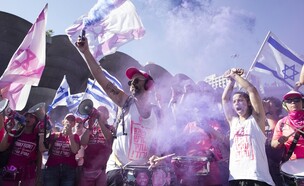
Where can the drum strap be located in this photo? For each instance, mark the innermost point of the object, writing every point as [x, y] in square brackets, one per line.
[292, 147]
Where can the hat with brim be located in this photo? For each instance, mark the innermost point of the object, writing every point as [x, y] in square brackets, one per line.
[292, 94]
[132, 71]
[29, 113]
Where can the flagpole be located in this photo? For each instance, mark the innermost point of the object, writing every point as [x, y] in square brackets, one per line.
[255, 59]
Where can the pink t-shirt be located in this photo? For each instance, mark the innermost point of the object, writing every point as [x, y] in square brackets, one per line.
[2, 133]
[24, 153]
[97, 152]
[61, 152]
[284, 129]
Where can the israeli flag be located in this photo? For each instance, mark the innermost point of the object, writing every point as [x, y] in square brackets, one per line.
[62, 93]
[73, 101]
[99, 97]
[276, 59]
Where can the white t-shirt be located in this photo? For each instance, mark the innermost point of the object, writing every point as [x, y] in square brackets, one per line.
[133, 148]
[248, 158]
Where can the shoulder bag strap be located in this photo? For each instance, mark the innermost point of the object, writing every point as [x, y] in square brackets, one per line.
[292, 147]
[120, 118]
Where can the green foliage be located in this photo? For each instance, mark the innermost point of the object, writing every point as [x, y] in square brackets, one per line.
[49, 33]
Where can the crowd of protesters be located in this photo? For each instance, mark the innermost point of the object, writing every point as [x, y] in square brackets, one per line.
[201, 136]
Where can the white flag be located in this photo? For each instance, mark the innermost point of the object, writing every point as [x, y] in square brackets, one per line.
[62, 93]
[73, 101]
[276, 59]
[99, 97]
[26, 65]
[108, 25]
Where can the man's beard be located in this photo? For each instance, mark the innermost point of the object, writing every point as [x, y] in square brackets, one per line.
[136, 91]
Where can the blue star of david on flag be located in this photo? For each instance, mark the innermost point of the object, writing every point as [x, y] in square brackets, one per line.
[60, 90]
[278, 60]
[62, 93]
[290, 70]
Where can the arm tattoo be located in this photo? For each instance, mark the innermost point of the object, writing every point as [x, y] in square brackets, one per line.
[112, 88]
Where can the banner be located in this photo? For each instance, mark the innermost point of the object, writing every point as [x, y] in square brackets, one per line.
[108, 25]
[99, 97]
[62, 93]
[26, 65]
[279, 61]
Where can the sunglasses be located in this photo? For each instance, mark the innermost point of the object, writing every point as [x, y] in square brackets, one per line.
[135, 81]
[295, 100]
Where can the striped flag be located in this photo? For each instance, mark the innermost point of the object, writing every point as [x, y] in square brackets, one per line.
[276, 59]
[94, 92]
[108, 25]
[113, 79]
[26, 65]
[73, 101]
[62, 93]
[99, 97]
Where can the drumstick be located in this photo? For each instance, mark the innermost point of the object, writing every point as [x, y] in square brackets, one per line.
[164, 157]
[291, 134]
[297, 129]
[127, 164]
[160, 158]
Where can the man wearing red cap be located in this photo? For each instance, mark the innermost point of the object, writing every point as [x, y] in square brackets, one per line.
[132, 145]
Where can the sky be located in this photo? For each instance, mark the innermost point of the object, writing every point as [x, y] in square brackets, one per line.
[195, 37]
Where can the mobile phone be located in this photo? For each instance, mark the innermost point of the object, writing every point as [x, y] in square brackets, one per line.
[83, 35]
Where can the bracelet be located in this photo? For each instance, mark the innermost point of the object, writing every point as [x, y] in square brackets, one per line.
[41, 134]
[268, 113]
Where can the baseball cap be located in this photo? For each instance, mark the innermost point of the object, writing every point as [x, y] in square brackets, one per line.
[78, 120]
[132, 71]
[70, 116]
[292, 94]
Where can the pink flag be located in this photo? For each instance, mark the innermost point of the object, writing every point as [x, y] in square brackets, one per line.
[108, 25]
[26, 66]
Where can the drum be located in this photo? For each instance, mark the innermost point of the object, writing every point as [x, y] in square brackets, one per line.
[140, 175]
[293, 172]
[198, 165]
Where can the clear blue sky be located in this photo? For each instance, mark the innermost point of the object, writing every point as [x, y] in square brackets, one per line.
[195, 37]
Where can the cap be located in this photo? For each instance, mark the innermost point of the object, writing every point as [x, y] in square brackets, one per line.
[78, 120]
[70, 116]
[132, 71]
[292, 93]
[102, 109]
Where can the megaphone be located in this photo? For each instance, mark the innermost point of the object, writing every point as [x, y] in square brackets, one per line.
[14, 121]
[44, 124]
[38, 110]
[85, 107]
[3, 104]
